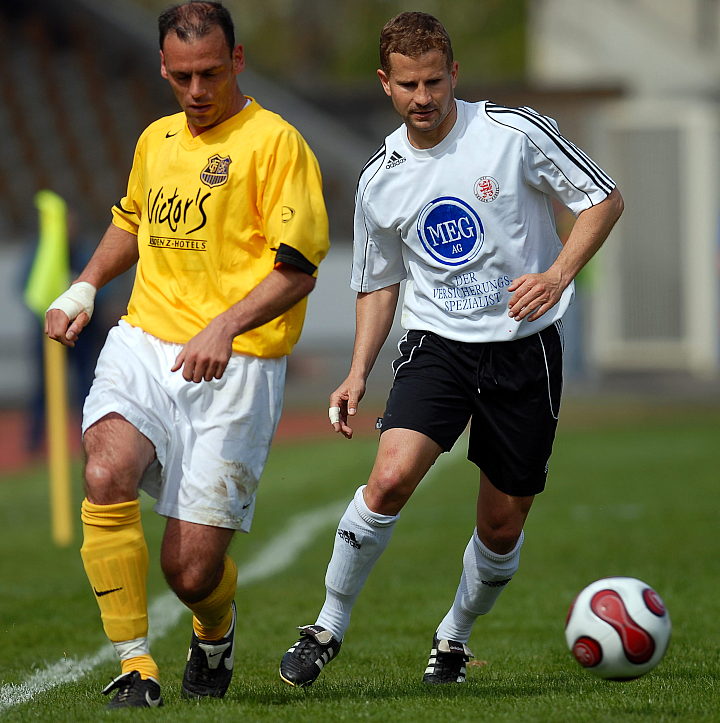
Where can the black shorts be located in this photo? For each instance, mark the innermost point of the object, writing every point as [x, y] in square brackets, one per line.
[510, 390]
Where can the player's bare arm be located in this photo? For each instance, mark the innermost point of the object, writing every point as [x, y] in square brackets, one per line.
[115, 254]
[374, 313]
[534, 294]
[206, 355]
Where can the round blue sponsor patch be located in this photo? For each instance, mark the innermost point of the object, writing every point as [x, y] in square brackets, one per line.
[450, 230]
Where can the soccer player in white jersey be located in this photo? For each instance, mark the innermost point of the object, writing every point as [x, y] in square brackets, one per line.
[225, 218]
[456, 202]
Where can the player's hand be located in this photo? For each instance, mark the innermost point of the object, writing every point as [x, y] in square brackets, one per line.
[344, 403]
[206, 355]
[59, 327]
[534, 294]
[70, 313]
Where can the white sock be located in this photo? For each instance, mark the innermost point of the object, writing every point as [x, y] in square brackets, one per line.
[485, 575]
[132, 648]
[362, 536]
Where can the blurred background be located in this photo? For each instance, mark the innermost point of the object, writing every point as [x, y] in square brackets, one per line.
[636, 83]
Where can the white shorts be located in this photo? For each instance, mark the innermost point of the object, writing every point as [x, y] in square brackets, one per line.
[211, 439]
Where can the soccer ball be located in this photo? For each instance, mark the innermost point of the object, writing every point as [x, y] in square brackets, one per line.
[618, 628]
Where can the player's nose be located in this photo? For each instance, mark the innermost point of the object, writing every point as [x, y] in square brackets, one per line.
[422, 96]
[197, 87]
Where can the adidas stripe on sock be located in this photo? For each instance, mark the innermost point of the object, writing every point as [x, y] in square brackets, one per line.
[361, 538]
[485, 575]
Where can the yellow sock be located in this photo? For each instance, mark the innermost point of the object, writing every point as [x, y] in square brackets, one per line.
[144, 664]
[115, 557]
[212, 616]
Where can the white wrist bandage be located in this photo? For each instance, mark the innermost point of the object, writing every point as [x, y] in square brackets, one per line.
[79, 297]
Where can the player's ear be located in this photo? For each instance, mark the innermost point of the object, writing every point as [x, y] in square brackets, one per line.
[238, 58]
[163, 69]
[384, 80]
[454, 72]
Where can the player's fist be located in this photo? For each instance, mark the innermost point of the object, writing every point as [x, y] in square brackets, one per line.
[59, 327]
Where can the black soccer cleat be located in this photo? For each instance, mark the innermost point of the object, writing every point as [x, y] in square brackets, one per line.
[302, 664]
[447, 662]
[134, 691]
[209, 667]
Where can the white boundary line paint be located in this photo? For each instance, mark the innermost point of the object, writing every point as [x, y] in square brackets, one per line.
[166, 610]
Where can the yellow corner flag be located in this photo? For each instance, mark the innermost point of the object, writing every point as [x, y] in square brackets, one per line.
[50, 272]
[49, 277]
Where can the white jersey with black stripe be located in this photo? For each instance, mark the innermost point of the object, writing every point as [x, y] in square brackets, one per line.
[461, 220]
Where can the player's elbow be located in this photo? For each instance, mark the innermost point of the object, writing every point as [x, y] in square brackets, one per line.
[616, 204]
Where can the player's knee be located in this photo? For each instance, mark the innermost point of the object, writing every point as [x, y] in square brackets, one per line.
[499, 536]
[105, 485]
[190, 582]
[185, 583]
[386, 493]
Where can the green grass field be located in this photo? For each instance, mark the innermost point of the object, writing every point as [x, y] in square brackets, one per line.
[633, 494]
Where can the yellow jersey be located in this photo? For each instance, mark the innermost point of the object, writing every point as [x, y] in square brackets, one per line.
[212, 215]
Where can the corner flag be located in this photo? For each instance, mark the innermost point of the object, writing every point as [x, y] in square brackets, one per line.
[49, 277]
[50, 272]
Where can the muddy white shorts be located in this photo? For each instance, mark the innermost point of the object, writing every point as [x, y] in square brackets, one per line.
[211, 439]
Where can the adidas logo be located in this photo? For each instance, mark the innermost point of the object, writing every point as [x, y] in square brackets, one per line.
[395, 160]
[496, 583]
[350, 538]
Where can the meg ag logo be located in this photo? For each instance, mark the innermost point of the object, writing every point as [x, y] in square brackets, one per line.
[450, 230]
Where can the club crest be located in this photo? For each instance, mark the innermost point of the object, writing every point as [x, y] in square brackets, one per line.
[486, 189]
[216, 171]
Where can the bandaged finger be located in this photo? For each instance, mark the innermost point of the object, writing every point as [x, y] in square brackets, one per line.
[78, 298]
[334, 415]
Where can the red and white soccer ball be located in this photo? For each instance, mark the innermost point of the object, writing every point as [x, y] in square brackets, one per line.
[618, 628]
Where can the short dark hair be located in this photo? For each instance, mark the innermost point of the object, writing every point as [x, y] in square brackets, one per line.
[195, 19]
[413, 34]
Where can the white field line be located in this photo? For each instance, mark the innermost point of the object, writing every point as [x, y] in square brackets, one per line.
[166, 610]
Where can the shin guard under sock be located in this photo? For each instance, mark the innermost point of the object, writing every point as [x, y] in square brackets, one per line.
[212, 616]
[115, 558]
[485, 575]
[361, 538]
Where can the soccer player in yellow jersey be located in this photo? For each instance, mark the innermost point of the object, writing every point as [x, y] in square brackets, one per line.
[225, 219]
